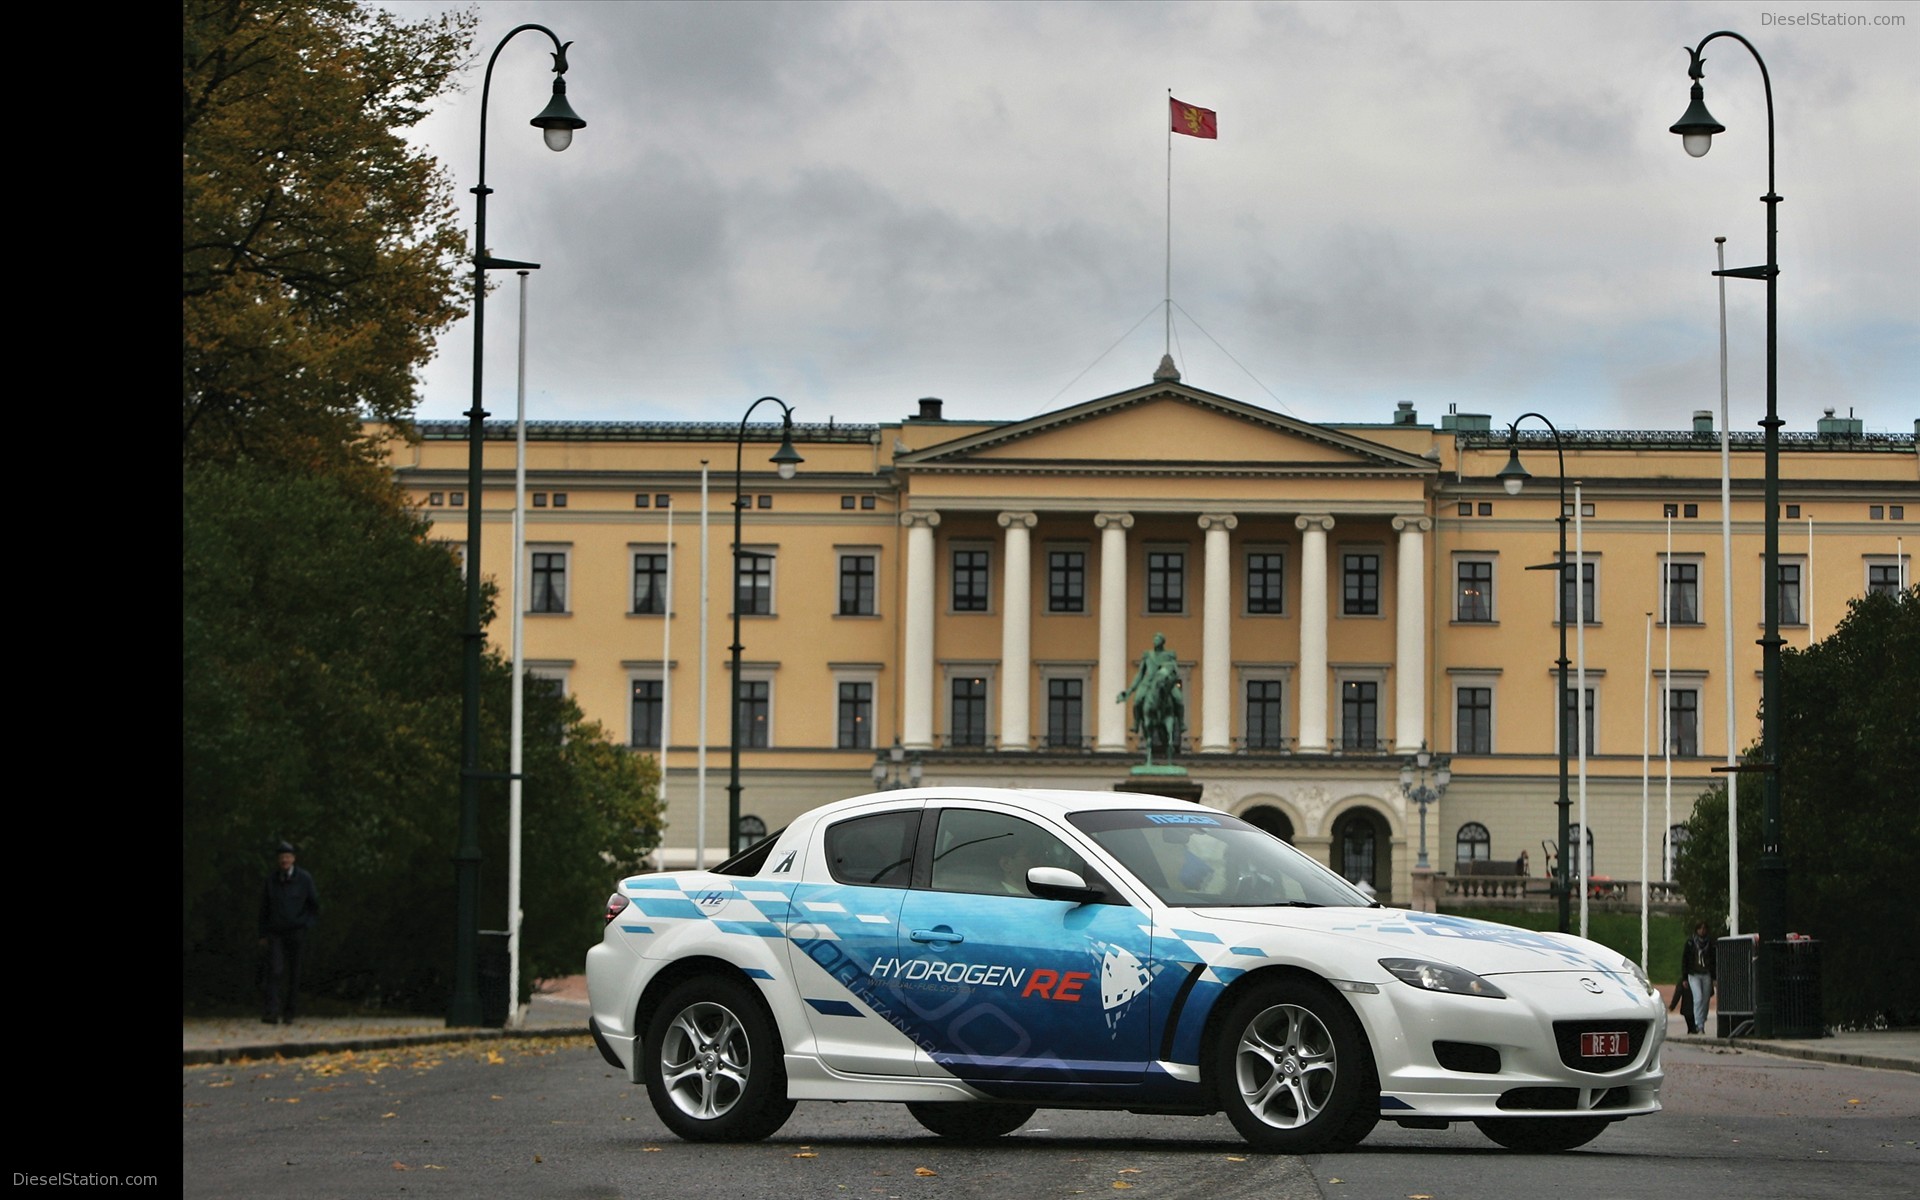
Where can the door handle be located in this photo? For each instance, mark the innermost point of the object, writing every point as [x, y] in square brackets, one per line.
[942, 934]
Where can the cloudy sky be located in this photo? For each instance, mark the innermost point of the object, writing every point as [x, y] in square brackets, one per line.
[853, 205]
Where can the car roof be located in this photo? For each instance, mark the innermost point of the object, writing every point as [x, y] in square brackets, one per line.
[1054, 801]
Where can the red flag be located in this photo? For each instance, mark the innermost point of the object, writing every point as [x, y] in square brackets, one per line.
[1194, 122]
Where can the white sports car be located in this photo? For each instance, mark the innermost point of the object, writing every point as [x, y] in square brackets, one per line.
[979, 953]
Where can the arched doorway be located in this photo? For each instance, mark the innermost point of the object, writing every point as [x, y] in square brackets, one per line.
[1271, 819]
[1363, 850]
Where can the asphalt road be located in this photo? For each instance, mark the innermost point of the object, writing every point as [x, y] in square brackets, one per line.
[550, 1119]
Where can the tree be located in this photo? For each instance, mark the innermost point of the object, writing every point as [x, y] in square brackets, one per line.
[1850, 735]
[321, 703]
[319, 251]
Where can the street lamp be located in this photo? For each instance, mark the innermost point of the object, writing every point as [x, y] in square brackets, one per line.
[1423, 780]
[558, 120]
[785, 459]
[887, 766]
[1513, 477]
[1696, 129]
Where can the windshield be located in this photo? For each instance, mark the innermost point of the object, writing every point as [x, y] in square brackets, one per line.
[1203, 859]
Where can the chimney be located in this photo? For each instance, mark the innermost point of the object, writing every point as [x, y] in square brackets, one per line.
[929, 409]
[1404, 414]
[1702, 421]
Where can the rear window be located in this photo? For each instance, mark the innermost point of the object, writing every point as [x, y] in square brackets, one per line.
[875, 851]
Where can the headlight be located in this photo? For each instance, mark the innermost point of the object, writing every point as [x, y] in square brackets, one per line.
[1640, 975]
[1439, 977]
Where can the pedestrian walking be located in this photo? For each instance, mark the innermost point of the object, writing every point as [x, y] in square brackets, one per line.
[1698, 969]
[289, 906]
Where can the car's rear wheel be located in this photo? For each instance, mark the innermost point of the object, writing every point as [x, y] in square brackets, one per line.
[1292, 1070]
[1542, 1135]
[970, 1121]
[712, 1063]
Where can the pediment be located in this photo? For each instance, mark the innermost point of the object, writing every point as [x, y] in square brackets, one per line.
[1166, 428]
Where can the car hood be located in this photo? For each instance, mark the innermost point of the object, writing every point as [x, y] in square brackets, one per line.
[1483, 947]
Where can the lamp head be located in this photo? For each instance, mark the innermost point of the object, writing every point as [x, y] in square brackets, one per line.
[1513, 476]
[557, 120]
[1697, 127]
[786, 458]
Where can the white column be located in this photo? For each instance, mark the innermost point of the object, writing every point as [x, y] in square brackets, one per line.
[1409, 635]
[916, 673]
[1016, 633]
[1216, 637]
[1313, 631]
[1113, 678]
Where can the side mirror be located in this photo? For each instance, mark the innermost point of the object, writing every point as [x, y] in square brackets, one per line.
[1058, 883]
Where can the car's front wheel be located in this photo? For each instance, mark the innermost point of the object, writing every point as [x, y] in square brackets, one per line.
[1542, 1135]
[969, 1121]
[1292, 1070]
[712, 1063]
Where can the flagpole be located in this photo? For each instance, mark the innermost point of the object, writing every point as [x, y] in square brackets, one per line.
[666, 665]
[1580, 636]
[1666, 692]
[1646, 701]
[1167, 348]
[517, 706]
[700, 754]
[1726, 613]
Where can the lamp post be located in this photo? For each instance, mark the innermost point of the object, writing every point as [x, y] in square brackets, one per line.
[1423, 780]
[1696, 129]
[785, 459]
[888, 765]
[558, 121]
[1512, 477]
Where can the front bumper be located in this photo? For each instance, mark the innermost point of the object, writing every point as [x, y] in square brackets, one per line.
[1533, 1077]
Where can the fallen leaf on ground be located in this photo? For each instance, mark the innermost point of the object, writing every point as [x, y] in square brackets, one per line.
[923, 1172]
[1236, 1158]
[1121, 1183]
[806, 1154]
[493, 1056]
[388, 1116]
[1129, 1171]
[649, 1149]
[401, 1167]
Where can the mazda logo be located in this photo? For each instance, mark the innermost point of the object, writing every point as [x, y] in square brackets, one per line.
[1592, 985]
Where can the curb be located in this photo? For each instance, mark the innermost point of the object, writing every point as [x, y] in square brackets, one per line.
[201, 1056]
[1808, 1052]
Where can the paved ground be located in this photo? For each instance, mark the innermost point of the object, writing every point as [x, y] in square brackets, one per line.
[559, 1009]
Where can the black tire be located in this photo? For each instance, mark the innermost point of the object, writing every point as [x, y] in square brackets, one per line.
[712, 1063]
[971, 1122]
[1542, 1135]
[1292, 1070]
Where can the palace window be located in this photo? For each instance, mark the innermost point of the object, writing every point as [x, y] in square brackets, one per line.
[753, 584]
[1473, 720]
[1473, 589]
[1166, 581]
[1360, 594]
[649, 583]
[970, 581]
[856, 585]
[1266, 579]
[1066, 581]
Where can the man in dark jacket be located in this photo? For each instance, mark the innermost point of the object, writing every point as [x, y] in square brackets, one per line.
[289, 905]
[1697, 968]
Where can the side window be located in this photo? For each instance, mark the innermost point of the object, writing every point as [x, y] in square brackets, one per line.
[874, 851]
[989, 853]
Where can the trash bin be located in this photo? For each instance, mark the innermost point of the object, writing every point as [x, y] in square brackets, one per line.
[494, 967]
[1796, 989]
[1735, 958]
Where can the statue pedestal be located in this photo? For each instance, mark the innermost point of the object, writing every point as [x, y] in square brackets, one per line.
[1172, 782]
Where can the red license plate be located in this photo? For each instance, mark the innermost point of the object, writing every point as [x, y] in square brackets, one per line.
[1603, 1045]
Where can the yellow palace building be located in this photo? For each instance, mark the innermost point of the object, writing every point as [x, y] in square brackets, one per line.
[1338, 597]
